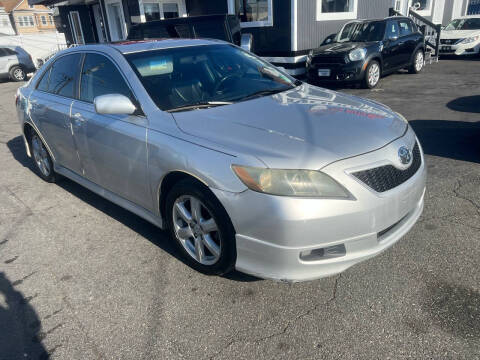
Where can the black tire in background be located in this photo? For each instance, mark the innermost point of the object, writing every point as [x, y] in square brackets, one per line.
[226, 232]
[367, 84]
[17, 73]
[415, 67]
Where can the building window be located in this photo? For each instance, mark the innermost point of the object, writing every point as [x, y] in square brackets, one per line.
[252, 13]
[423, 7]
[44, 20]
[30, 21]
[336, 9]
[50, 19]
[161, 9]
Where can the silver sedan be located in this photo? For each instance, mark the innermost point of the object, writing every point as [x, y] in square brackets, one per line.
[246, 167]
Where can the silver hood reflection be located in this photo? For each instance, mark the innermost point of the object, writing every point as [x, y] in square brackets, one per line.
[303, 128]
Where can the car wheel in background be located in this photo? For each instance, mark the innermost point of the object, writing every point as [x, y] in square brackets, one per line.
[41, 159]
[17, 73]
[372, 75]
[201, 228]
[418, 62]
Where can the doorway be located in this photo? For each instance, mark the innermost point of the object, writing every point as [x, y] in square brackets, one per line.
[116, 20]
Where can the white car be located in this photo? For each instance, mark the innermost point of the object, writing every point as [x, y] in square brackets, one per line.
[461, 36]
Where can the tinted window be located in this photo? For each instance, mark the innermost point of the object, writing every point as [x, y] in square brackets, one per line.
[100, 77]
[392, 29]
[405, 27]
[43, 84]
[62, 76]
[368, 31]
[3, 52]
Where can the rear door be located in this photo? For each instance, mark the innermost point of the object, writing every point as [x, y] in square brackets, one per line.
[3, 61]
[112, 148]
[50, 109]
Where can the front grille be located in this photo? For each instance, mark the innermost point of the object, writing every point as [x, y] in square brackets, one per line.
[448, 41]
[387, 177]
[317, 60]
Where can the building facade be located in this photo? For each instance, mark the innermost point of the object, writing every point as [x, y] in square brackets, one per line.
[25, 18]
[283, 30]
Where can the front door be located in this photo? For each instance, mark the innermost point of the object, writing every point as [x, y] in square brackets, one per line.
[112, 148]
[116, 20]
[391, 46]
[76, 26]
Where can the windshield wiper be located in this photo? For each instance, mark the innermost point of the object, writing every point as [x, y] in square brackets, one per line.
[200, 105]
[262, 93]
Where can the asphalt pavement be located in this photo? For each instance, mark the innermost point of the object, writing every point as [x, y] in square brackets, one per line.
[81, 278]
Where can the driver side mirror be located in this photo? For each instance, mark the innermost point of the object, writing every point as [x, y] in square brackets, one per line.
[246, 42]
[114, 104]
[393, 38]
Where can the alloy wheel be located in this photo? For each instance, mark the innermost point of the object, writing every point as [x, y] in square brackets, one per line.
[40, 155]
[419, 61]
[196, 229]
[19, 74]
[373, 74]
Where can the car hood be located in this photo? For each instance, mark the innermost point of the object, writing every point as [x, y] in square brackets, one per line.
[303, 128]
[340, 48]
[458, 34]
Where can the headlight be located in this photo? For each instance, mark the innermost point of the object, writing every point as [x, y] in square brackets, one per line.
[297, 183]
[357, 54]
[470, 39]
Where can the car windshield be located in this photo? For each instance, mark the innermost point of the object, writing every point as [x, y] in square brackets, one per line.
[362, 31]
[464, 24]
[190, 77]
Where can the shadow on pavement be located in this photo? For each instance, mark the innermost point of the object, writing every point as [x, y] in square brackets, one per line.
[144, 228]
[457, 140]
[465, 104]
[20, 335]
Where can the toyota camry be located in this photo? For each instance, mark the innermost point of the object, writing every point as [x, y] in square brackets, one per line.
[244, 166]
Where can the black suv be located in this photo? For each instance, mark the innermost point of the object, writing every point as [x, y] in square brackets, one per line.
[364, 50]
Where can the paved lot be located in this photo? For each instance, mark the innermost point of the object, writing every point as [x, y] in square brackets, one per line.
[80, 278]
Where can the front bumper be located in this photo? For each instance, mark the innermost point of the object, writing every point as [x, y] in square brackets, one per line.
[460, 49]
[274, 232]
[339, 73]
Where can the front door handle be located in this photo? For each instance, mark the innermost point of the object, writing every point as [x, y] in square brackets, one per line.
[78, 119]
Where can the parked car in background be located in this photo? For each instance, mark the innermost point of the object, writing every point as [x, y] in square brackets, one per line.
[461, 36]
[15, 63]
[247, 167]
[365, 50]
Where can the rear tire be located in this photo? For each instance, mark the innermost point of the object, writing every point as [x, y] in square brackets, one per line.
[201, 228]
[417, 63]
[41, 159]
[17, 73]
[372, 75]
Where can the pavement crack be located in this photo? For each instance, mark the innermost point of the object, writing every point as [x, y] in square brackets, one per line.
[285, 328]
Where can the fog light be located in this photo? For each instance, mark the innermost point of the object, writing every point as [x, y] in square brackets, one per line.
[329, 252]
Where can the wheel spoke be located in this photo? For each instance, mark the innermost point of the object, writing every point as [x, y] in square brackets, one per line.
[199, 249]
[195, 207]
[211, 245]
[184, 233]
[183, 212]
[208, 225]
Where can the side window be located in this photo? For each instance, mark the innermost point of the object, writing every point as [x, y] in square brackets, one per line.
[405, 27]
[10, 52]
[413, 26]
[392, 30]
[62, 76]
[3, 52]
[43, 84]
[100, 77]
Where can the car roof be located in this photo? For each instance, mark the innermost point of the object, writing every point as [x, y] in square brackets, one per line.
[131, 46]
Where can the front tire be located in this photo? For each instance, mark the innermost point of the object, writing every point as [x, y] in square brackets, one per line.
[201, 228]
[17, 73]
[372, 75]
[418, 63]
[41, 159]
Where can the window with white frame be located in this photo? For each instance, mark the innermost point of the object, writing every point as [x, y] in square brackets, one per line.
[336, 9]
[162, 9]
[50, 19]
[44, 20]
[252, 13]
[25, 21]
[424, 7]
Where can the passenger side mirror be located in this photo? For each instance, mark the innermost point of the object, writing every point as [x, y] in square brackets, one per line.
[393, 38]
[246, 42]
[114, 104]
